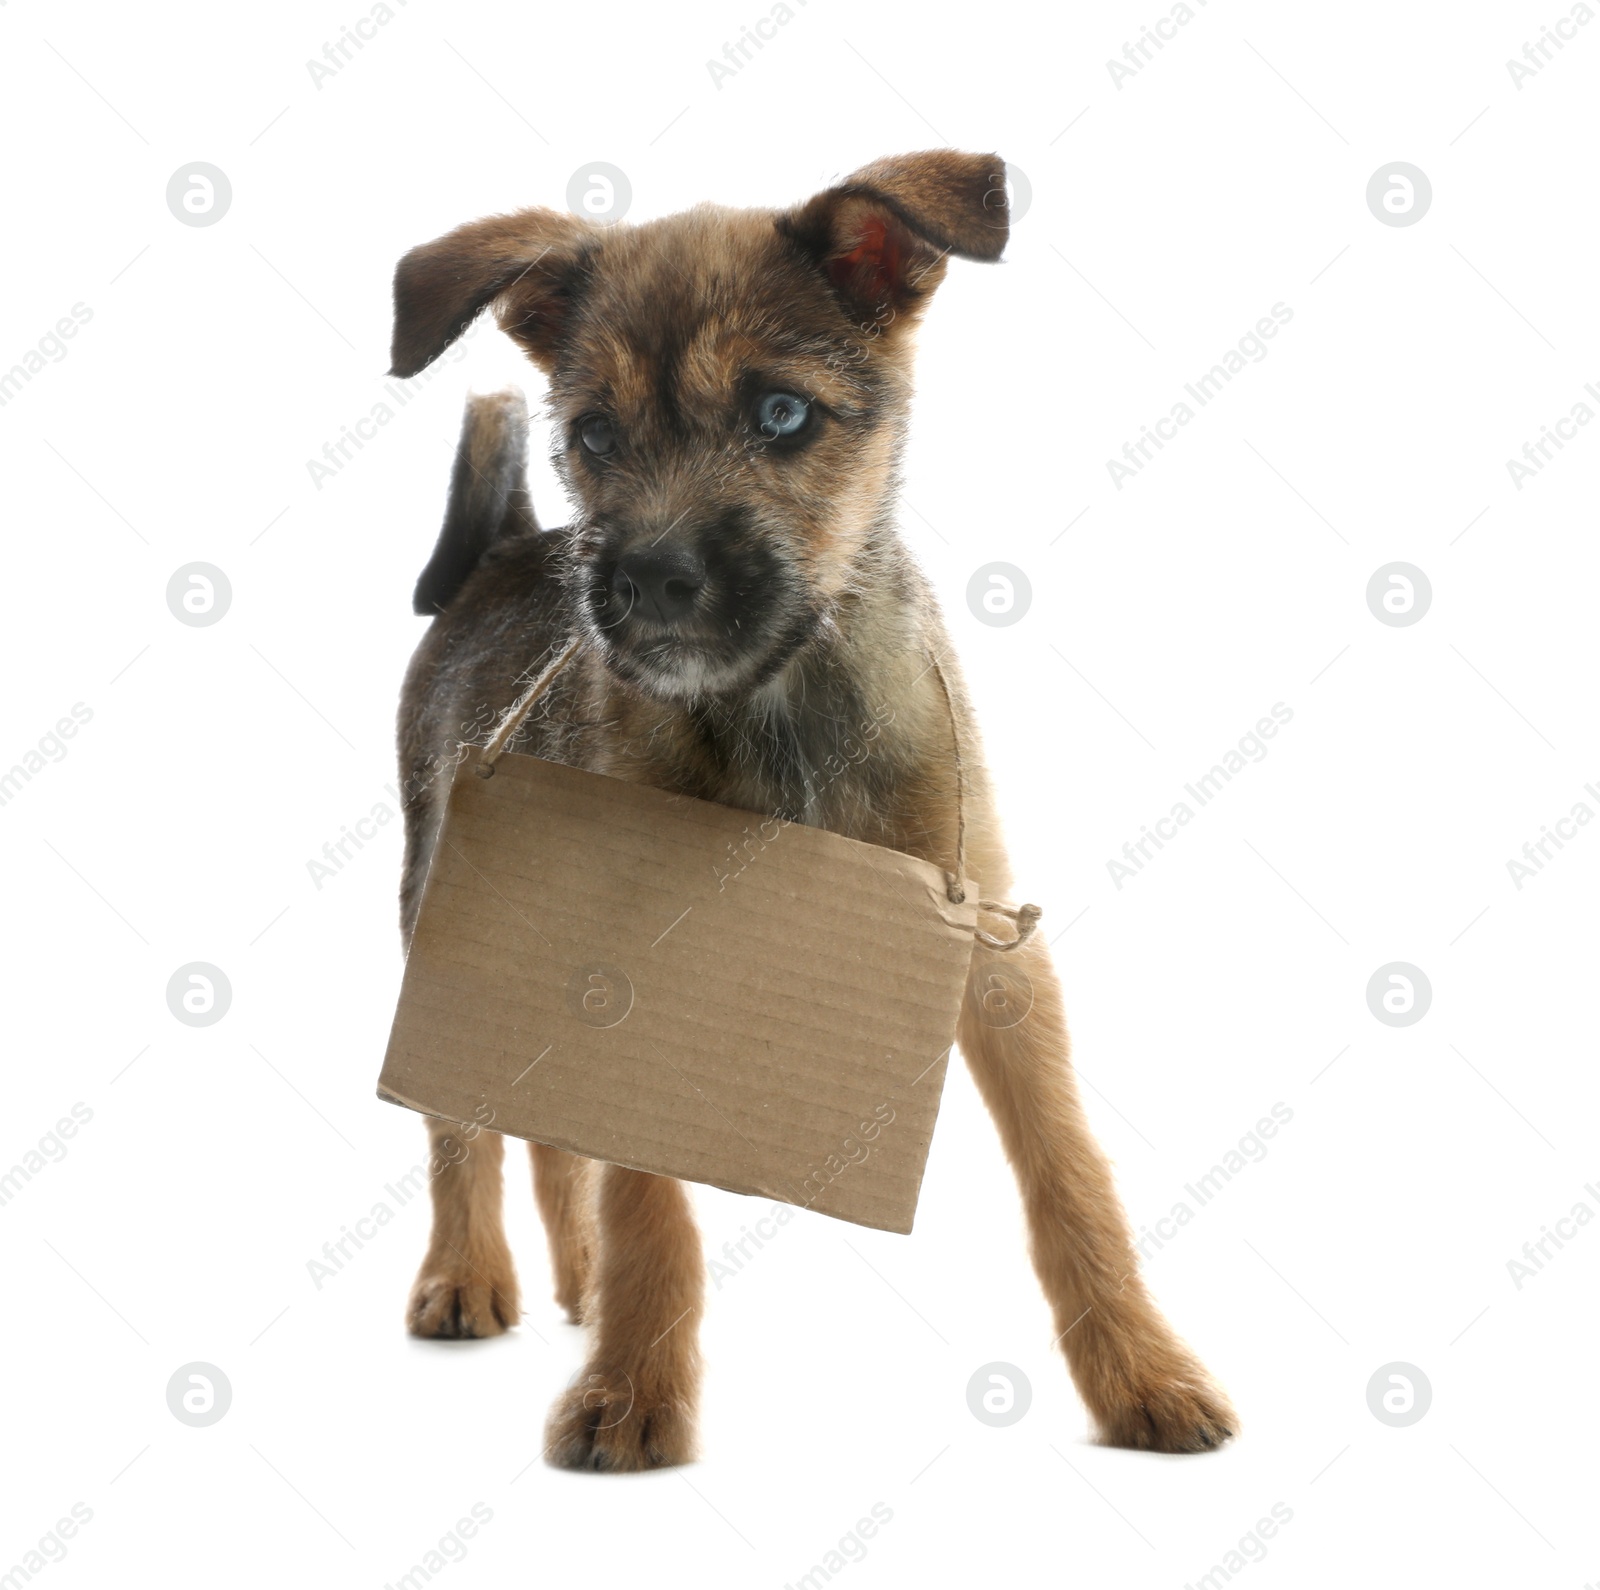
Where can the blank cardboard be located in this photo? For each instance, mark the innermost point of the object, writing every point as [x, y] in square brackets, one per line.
[683, 988]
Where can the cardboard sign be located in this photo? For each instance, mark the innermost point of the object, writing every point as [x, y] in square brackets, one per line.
[683, 988]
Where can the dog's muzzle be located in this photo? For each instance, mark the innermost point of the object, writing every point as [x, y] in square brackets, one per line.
[710, 609]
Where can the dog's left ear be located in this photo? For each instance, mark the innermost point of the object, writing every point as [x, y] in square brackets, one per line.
[883, 234]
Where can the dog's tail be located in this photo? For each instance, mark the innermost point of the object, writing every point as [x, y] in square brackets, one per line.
[488, 495]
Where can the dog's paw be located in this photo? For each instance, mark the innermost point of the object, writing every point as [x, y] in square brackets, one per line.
[452, 1306]
[1174, 1412]
[608, 1422]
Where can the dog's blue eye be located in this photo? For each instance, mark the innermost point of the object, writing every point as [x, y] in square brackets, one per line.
[782, 414]
[597, 435]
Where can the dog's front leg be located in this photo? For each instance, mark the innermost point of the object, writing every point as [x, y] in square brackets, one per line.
[467, 1285]
[634, 1405]
[1142, 1384]
[562, 1186]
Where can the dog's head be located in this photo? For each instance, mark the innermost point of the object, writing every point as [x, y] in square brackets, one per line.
[729, 389]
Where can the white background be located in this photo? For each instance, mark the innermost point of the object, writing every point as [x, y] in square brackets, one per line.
[1168, 215]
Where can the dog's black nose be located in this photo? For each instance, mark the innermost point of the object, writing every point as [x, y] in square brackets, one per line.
[659, 582]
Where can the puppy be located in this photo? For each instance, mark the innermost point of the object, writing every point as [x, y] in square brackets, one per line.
[729, 390]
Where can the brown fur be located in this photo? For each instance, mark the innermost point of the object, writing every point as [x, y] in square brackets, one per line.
[810, 619]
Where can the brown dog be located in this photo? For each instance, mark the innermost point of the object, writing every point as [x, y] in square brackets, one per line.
[729, 391]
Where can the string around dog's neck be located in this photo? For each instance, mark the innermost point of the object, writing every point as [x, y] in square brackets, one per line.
[1026, 917]
[529, 699]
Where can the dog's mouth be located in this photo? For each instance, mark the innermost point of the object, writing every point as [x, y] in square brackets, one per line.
[684, 619]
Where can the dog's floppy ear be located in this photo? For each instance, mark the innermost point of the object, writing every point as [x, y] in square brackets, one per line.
[441, 287]
[882, 235]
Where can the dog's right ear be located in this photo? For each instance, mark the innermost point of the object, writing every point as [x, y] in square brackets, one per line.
[443, 286]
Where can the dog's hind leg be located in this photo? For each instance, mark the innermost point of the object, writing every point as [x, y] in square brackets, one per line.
[1141, 1383]
[563, 1185]
[467, 1285]
[634, 1404]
